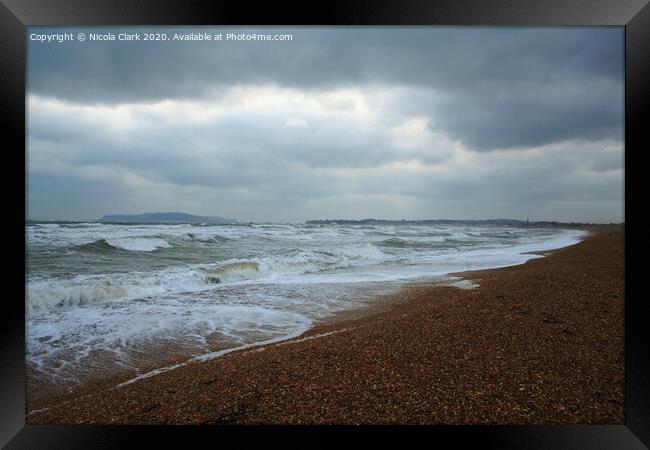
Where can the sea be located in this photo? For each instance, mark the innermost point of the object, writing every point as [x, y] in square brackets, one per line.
[106, 299]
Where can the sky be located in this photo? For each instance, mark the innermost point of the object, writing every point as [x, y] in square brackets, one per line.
[350, 123]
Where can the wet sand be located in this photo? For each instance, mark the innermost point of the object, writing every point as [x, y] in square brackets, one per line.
[538, 343]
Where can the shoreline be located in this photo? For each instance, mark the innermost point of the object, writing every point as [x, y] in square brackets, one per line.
[349, 331]
[169, 359]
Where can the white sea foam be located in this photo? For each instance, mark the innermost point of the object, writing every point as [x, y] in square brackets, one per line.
[80, 334]
[138, 244]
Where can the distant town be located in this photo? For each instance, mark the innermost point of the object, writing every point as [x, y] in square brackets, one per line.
[486, 222]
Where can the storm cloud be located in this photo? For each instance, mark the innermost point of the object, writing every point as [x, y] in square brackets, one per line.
[338, 122]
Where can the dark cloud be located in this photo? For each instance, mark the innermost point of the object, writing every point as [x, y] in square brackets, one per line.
[490, 87]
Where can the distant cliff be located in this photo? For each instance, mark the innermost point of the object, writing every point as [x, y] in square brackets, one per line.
[165, 217]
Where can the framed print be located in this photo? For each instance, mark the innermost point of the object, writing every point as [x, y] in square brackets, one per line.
[374, 217]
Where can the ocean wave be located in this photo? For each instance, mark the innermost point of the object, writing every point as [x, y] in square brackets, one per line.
[50, 293]
[229, 271]
[55, 293]
[136, 244]
[81, 225]
[395, 242]
[434, 242]
[98, 245]
[296, 261]
[194, 237]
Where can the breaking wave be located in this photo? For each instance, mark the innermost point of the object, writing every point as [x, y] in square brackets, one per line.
[238, 269]
[136, 244]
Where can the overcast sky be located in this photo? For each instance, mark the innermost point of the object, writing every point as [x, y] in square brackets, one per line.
[349, 123]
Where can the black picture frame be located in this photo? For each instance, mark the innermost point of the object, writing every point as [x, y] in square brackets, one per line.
[634, 15]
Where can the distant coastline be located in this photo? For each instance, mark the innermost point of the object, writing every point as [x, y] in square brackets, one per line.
[181, 218]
